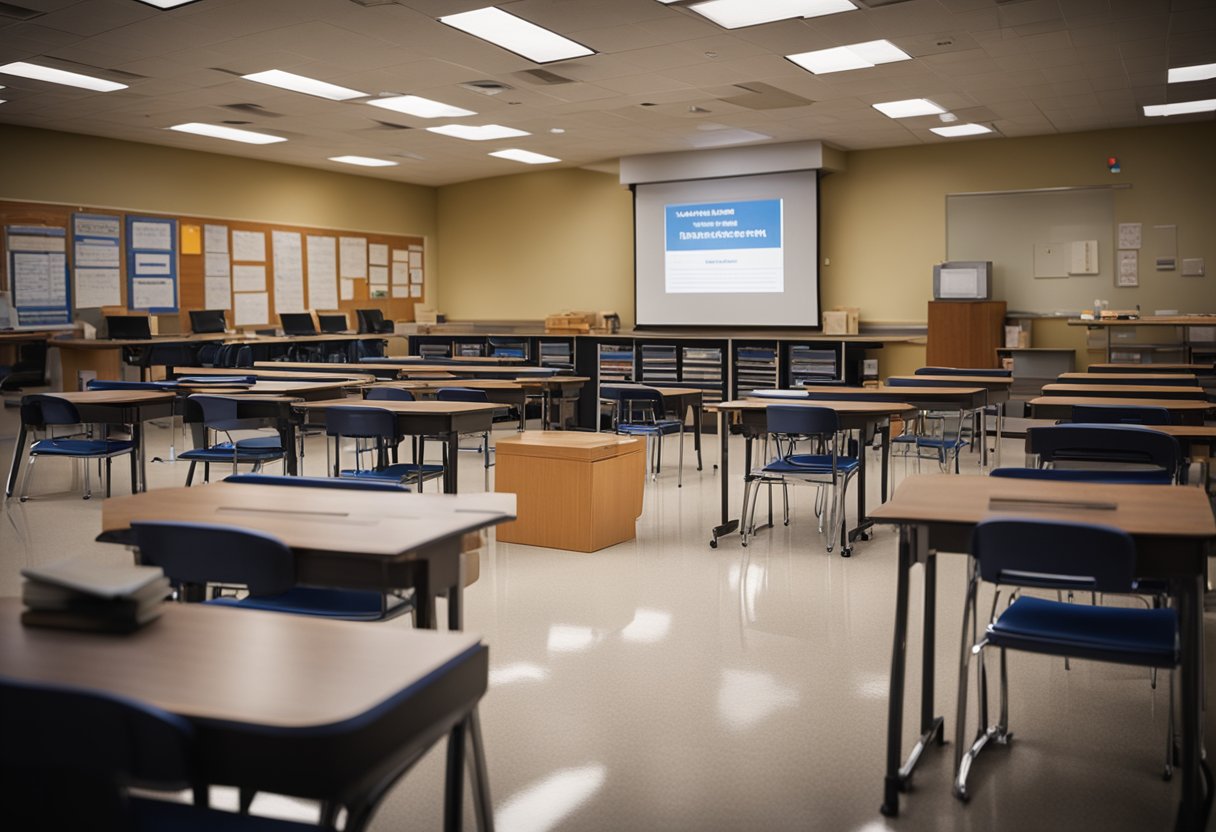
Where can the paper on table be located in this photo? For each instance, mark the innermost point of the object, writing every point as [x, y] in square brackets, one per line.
[152, 293]
[251, 308]
[216, 264]
[1129, 235]
[98, 253]
[217, 292]
[98, 287]
[348, 289]
[248, 278]
[288, 271]
[377, 254]
[154, 236]
[415, 259]
[415, 290]
[401, 273]
[352, 259]
[215, 238]
[322, 272]
[147, 264]
[249, 245]
[415, 275]
[377, 275]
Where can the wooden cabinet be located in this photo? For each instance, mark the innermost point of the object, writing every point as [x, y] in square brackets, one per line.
[965, 333]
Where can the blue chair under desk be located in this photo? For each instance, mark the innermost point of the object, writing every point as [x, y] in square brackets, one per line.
[1120, 446]
[943, 433]
[640, 411]
[470, 394]
[218, 414]
[46, 412]
[380, 427]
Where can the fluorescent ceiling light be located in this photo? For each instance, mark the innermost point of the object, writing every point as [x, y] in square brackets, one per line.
[1198, 72]
[960, 130]
[909, 107]
[854, 56]
[1181, 108]
[478, 132]
[525, 156]
[218, 131]
[166, 4]
[416, 105]
[59, 76]
[308, 86]
[364, 161]
[516, 35]
[735, 14]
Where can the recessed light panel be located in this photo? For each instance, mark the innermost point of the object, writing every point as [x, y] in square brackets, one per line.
[478, 132]
[735, 14]
[232, 134]
[60, 76]
[1198, 72]
[363, 161]
[1181, 108]
[166, 4]
[416, 105]
[909, 107]
[517, 35]
[525, 156]
[854, 56]
[955, 130]
[300, 83]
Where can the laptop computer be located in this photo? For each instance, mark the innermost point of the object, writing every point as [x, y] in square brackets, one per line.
[372, 320]
[332, 323]
[134, 327]
[297, 323]
[207, 320]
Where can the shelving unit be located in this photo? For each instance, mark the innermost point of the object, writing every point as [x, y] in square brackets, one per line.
[556, 352]
[812, 364]
[659, 364]
[756, 367]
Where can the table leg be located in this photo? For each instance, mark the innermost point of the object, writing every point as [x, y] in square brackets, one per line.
[453, 790]
[287, 440]
[895, 700]
[1188, 593]
[452, 440]
[885, 431]
[696, 435]
[18, 452]
[728, 525]
[478, 776]
[137, 436]
[1000, 424]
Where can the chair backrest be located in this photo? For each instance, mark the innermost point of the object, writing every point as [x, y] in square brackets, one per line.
[68, 755]
[340, 483]
[389, 394]
[1053, 554]
[639, 405]
[370, 320]
[40, 409]
[964, 371]
[115, 384]
[244, 356]
[360, 422]
[802, 421]
[1130, 444]
[217, 412]
[913, 382]
[461, 394]
[1119, 414]
[200, 553]
[1136, 476]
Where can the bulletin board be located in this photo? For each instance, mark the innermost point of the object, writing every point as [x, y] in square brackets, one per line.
[253, 270]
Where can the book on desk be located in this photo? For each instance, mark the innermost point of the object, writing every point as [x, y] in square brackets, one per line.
[83, 594]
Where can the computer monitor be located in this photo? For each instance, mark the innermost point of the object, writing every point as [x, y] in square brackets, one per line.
[372, 320]
[207, 320]
[128, 326]
[332, 323]
[297, 323]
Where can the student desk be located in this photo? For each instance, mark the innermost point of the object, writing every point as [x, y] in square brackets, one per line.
[751, 414]
[1182, 411]
[997, 386]
[1127, 378]
[471, 371]
[1128, 391]
[460, 359]
[1174, 533]
[319, 372]
[679, 400]
[514, 392]
[108, 407]
[380, 371]
[323, 710]
[103, 356]
[446, 419]
[1196, 369]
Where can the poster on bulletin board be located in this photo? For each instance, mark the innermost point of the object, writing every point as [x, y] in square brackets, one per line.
[152, 264]
[40, 289]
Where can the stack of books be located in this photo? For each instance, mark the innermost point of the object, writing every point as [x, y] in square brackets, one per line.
[82, 594]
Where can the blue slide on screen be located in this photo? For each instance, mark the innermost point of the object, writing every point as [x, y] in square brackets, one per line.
[717, 247]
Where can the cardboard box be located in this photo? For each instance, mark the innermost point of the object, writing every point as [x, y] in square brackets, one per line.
[569, 322]
[842, 321]
[424, 315]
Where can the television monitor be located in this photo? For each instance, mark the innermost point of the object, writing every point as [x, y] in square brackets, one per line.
[207, 320]
[136, 327]
[297, 323]
[332, 323]
[962, 280]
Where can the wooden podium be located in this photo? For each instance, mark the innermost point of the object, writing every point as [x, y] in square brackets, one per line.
[577, 491]
[965, 333]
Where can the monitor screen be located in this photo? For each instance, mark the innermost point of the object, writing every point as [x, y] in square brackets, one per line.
[332, 323]
[207, 320]
[128, 326]
[370, 320]
[297, 323]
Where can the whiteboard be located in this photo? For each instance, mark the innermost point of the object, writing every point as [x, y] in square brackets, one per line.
[1011, 228]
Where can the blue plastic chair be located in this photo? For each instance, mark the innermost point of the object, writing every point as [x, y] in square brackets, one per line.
[1108, 444]
[206, 553]
[379, 425]
[115, 384]
[317, 482]
[1119, 414]
[830, 468]
[219, 414]
[40, 412]
[389, 394]
[946, 441]
[640, 411]
[471, 394]
[1057, 556]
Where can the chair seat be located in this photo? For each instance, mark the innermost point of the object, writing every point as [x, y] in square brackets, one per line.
[346, 604]
[82, 447]
[810, 464]
[1109, 634]
[398, 472]
[151, 814]
[662, 427]
[265, 450]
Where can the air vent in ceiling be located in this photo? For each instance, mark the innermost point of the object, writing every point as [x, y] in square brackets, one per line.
[543, 76]
[486, 87]
[18, 12]
[759, 96]
[253, 109]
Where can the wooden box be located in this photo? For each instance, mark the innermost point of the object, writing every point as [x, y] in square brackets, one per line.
[575, 491]
[842, 321]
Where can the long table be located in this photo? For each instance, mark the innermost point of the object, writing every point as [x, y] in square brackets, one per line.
[1174, 532]
[1182, 411]
[1126, 391]
[854, 415]
[323, 710]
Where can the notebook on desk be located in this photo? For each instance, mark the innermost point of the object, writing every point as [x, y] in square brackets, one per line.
[136, 327]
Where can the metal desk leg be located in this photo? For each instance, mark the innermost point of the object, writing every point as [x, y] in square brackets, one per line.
[1188, 593]
[1000, 424]
[452, 441]
[18, 452]
[892, 782]
[137, 435]
[479, 778]
[287, 440]
[453, 789]
[696, 435]
[728, 525]
[885, 432]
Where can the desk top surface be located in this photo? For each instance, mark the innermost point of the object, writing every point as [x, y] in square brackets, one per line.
[155, 340]
[963, 381]
[482, 383]
[1120, 390]
[235, 666]
[418, 407]
[1157, 510]
[423, 370]
[861, 407]
[371, 523]
[1168, 404]
[272, 387]
[1157, 368]
[280, 375]
[1126, 378]
[113, 396]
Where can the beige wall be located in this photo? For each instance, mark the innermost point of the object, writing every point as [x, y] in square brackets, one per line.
[522, 247]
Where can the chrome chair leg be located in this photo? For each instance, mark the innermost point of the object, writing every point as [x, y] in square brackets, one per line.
[746, 519]
[25, 478]
[680, 471]
[1168, 772]
[88, 485]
